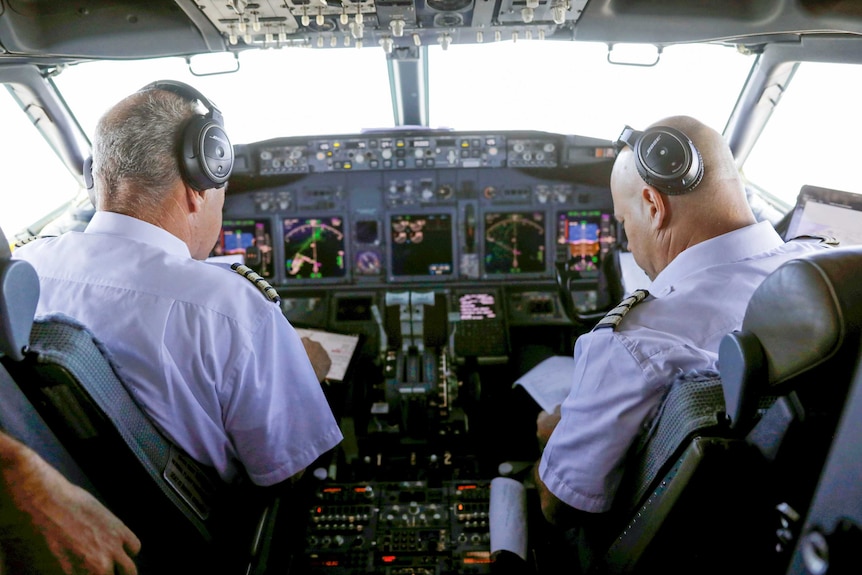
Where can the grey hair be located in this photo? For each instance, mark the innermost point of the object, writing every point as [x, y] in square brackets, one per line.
[136, 149]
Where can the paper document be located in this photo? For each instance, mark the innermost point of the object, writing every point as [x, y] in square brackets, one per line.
[508, 516]
[340, 348]
[550, 381]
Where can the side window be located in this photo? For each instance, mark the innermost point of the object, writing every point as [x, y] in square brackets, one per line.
[33, 180]
[810, 136]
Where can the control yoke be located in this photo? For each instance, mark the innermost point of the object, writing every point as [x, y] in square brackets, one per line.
[610, 289]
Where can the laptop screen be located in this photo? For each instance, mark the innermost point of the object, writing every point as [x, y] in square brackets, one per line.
[825, 212]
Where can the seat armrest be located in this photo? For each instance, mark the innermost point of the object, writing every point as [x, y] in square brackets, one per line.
[743, 371]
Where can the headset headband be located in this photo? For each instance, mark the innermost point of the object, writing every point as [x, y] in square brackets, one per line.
[189, 93]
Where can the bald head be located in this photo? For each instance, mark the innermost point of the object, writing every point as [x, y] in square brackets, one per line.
[659, 226]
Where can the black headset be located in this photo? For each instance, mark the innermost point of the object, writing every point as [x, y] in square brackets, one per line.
[665, 158]
[205, 152]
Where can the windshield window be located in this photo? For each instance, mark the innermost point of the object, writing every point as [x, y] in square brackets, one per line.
[571, 88]
[288, 92]
[566, 87]
[808, 138]
[35, 180]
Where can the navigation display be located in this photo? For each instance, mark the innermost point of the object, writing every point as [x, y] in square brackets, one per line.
[314, 248]
[587, 236]
[421, 245]
[514, 242]
[250, 240]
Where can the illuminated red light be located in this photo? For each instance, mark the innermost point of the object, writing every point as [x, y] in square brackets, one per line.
[388, 558]
[477, 558]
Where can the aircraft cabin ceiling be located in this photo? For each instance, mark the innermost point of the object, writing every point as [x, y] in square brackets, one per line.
[152, 28]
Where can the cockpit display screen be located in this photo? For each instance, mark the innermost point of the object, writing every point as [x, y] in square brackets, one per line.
[421, 245]
[250, 240]
[514, 242]
[477, 306]
[314, 248]
[826, 212]
[587, 236]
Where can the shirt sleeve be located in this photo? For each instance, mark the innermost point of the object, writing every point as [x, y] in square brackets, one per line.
[277, 415]
[609, 401]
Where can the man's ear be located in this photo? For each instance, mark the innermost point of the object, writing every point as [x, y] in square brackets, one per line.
[194, 199]
[657, 206]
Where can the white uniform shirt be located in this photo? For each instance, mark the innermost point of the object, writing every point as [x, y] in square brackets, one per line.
[214, 363]
[621, 375]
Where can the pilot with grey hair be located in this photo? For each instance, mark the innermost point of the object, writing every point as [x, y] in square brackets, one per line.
[208, 354]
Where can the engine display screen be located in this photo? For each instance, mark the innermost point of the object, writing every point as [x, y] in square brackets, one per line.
[514, 242]
[587, 235]
[250, 240]
[421, 245]
[314, 248]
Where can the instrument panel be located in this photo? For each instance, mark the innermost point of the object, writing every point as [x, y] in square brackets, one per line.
[442, 251]
[399, 528]
[427, 207]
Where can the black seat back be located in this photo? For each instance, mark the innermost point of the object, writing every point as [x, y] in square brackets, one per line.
[735, 474]
[688, 455]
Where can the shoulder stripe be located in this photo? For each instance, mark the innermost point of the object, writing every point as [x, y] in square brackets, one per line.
[613, 318]
[255, 278]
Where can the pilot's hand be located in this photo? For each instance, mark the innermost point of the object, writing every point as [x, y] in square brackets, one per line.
[54, 527]
[320, 360]
[545, 424]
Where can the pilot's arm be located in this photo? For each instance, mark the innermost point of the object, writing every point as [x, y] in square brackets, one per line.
[555, 511]
[614, 393]
[53, 526]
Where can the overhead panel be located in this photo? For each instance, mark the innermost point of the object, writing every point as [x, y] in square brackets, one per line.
[389, 24]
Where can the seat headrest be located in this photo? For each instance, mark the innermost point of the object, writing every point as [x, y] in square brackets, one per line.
[19, 294]
[806, 311]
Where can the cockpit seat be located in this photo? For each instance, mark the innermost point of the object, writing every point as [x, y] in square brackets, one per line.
[725, 476]
[188, 520]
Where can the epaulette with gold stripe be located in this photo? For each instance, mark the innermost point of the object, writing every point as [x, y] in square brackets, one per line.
[613, 318]
[827, 240]
[255, 278]
[24, 241]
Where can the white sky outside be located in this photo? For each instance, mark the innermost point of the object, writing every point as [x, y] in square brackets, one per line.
[565, 87]
[809, 138]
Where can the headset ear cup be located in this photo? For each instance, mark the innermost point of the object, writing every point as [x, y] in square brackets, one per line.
[207, 154]
[668, 160]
